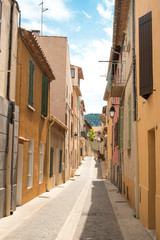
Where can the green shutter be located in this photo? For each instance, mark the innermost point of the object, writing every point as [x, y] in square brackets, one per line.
[31, 82]
[120, 128]
[51, 161]
[129, 121]
[60, 162]
[44, 105]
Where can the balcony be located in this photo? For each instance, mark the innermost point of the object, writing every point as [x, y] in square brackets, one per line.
[117, 79]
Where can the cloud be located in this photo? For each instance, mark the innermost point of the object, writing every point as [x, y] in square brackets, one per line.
[109, 31]
[105, 10]
[78, 28]
[57, 10]
[86, 14]
[93, 86]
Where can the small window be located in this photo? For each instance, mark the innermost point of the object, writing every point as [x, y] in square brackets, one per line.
[31, 82]
[60, 161]
[51, 161]
[0, 21]
[72, 72]
[41, 162]
[44, 105]
[129, 121]
[30, 163]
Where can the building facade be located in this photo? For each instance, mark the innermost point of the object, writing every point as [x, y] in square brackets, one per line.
[9, 112]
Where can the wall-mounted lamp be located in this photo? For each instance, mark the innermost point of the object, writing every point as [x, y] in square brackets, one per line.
[112, 112]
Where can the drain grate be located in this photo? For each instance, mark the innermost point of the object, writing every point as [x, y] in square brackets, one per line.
[120, 201]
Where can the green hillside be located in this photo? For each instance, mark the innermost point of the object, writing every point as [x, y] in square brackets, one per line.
[93, 119]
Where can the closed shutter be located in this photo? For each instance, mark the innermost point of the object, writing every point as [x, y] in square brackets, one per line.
[120, 128]
[145, 55]
[129, 121]
[31, 82]
[0, 21]
[51, 161]
[44, 105]
[60, 162]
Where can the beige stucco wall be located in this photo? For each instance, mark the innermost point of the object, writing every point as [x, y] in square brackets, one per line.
[128, 157]
[149, 121]
[5, 28]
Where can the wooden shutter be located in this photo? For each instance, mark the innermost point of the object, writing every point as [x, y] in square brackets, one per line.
[120, 128]
[31, 82]
[145, 55]
[60, 162]
[116, 134]
[0, 21]
[44, 105]
[51, 161]
[129, 121]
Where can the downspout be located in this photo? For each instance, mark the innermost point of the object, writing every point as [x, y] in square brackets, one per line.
[49, 146]
[135, 112]
[10, 133]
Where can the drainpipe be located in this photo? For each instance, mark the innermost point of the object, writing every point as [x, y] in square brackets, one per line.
[10, 133]
[49, 146]
[135, 111]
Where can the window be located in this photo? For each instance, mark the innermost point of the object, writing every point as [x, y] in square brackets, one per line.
[44, 105]
[129, 121]
[60, 161]
[0, 21]
[72, 72]
[30, 163]
[51, 161]
[41, 163]
[66, 119]
[31, 82]
[145, 55]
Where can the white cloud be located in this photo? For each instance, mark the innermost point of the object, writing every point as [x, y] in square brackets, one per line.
[78, 28]
[109, 31]
[93, 86]
[86, 14]
[105, 10]
[57, 10]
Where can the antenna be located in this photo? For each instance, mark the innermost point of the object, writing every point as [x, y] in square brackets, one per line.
[42, 11]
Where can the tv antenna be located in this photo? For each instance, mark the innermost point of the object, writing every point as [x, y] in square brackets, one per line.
[42, 11]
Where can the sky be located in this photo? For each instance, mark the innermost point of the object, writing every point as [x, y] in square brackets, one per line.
[87, 24]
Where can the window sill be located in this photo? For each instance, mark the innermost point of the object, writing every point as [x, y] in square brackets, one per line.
[29, 187]
[31, 108]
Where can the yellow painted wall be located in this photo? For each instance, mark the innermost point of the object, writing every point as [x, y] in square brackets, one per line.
[31, 124]
[130, 184]
[149, 121]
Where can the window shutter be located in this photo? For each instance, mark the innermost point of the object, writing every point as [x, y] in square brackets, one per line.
[0, 21]
[129, 121]
[60, 162]
[31, 82]
[44, 105]
[116, 134]
[145, 55]
[51, 161]
[120, 128]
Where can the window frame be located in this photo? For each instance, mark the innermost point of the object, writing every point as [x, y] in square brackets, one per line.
[73, 72]
[30, 164]
[41, 162]
[31, 82]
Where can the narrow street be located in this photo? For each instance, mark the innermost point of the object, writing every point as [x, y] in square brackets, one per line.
[78, 209]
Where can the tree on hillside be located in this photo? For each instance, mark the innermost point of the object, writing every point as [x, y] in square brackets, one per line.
[92, 135]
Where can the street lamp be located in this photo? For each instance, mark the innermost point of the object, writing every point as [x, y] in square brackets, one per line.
[112, 112]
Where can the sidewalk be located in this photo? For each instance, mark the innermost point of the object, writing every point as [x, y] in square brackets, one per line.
[131, 227]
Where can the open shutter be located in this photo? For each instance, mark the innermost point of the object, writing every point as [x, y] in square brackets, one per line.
[31, 82]
[0, 21]
[60, 162]
[145, 55]
[120, 128]
[129, 121]
[116, 134]
[44, 105]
